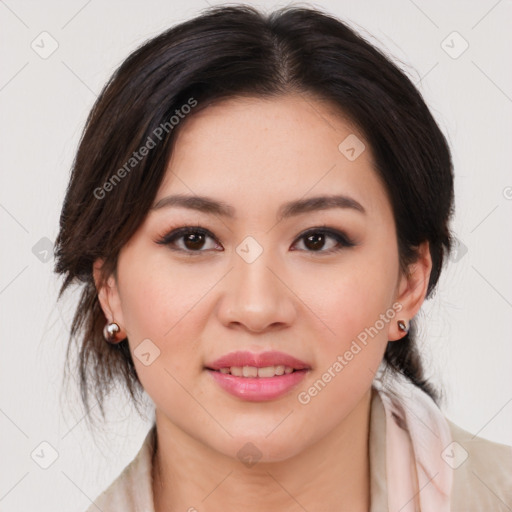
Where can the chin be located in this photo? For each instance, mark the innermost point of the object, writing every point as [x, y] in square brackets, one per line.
[251, 450]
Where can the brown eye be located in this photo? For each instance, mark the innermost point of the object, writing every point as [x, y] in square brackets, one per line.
[315, 240]
[193, 240]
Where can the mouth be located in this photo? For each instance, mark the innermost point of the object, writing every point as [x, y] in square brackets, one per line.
[257, 377]
[265, 372]
[250, 364]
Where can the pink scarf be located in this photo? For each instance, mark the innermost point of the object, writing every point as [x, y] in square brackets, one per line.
[418, 442]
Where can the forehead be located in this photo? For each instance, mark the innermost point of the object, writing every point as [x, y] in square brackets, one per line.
[250, 151]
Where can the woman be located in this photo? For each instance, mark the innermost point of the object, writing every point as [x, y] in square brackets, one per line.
[258, 208]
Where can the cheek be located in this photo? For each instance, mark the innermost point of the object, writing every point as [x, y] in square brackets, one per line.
[351, 346]
[356, 348]
[350, 298]
[163, 305]
[354, 304]
[164, 318]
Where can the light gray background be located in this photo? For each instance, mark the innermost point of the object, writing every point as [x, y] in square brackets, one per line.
[44, 103]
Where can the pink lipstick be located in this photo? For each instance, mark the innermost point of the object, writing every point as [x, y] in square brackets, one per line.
[257, 376]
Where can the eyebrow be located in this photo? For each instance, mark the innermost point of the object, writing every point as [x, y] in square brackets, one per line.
[292, 208]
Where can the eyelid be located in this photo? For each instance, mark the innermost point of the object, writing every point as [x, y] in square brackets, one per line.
[341, 237]
[175, 233]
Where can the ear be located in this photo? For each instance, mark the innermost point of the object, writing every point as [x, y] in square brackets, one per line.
[108, 295]
[412, 289]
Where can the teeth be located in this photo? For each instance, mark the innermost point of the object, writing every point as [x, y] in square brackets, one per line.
[268, 371]
[252, 371]
[236, 371]
[279, 369]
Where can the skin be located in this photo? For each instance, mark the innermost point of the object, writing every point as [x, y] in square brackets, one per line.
[254, 154]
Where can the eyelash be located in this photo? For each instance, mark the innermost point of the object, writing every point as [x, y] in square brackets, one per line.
[341, 238]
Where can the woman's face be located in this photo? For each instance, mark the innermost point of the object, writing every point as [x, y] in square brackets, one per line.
[267, 263]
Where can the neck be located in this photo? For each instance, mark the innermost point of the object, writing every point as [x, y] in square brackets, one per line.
[331, 474]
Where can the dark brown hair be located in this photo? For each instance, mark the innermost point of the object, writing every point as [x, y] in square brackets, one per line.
[225, 52]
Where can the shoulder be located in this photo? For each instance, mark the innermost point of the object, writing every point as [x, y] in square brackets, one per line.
[131, 491]
[482, 472]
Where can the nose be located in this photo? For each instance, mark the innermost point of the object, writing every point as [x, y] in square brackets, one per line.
[256, 296]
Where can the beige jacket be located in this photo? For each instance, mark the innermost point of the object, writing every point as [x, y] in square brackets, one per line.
[482, 483]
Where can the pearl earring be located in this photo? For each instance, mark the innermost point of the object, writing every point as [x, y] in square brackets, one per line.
[403, 326]
[110, 332]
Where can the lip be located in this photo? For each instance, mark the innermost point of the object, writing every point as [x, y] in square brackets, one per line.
[259, 360]
[258, 389]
